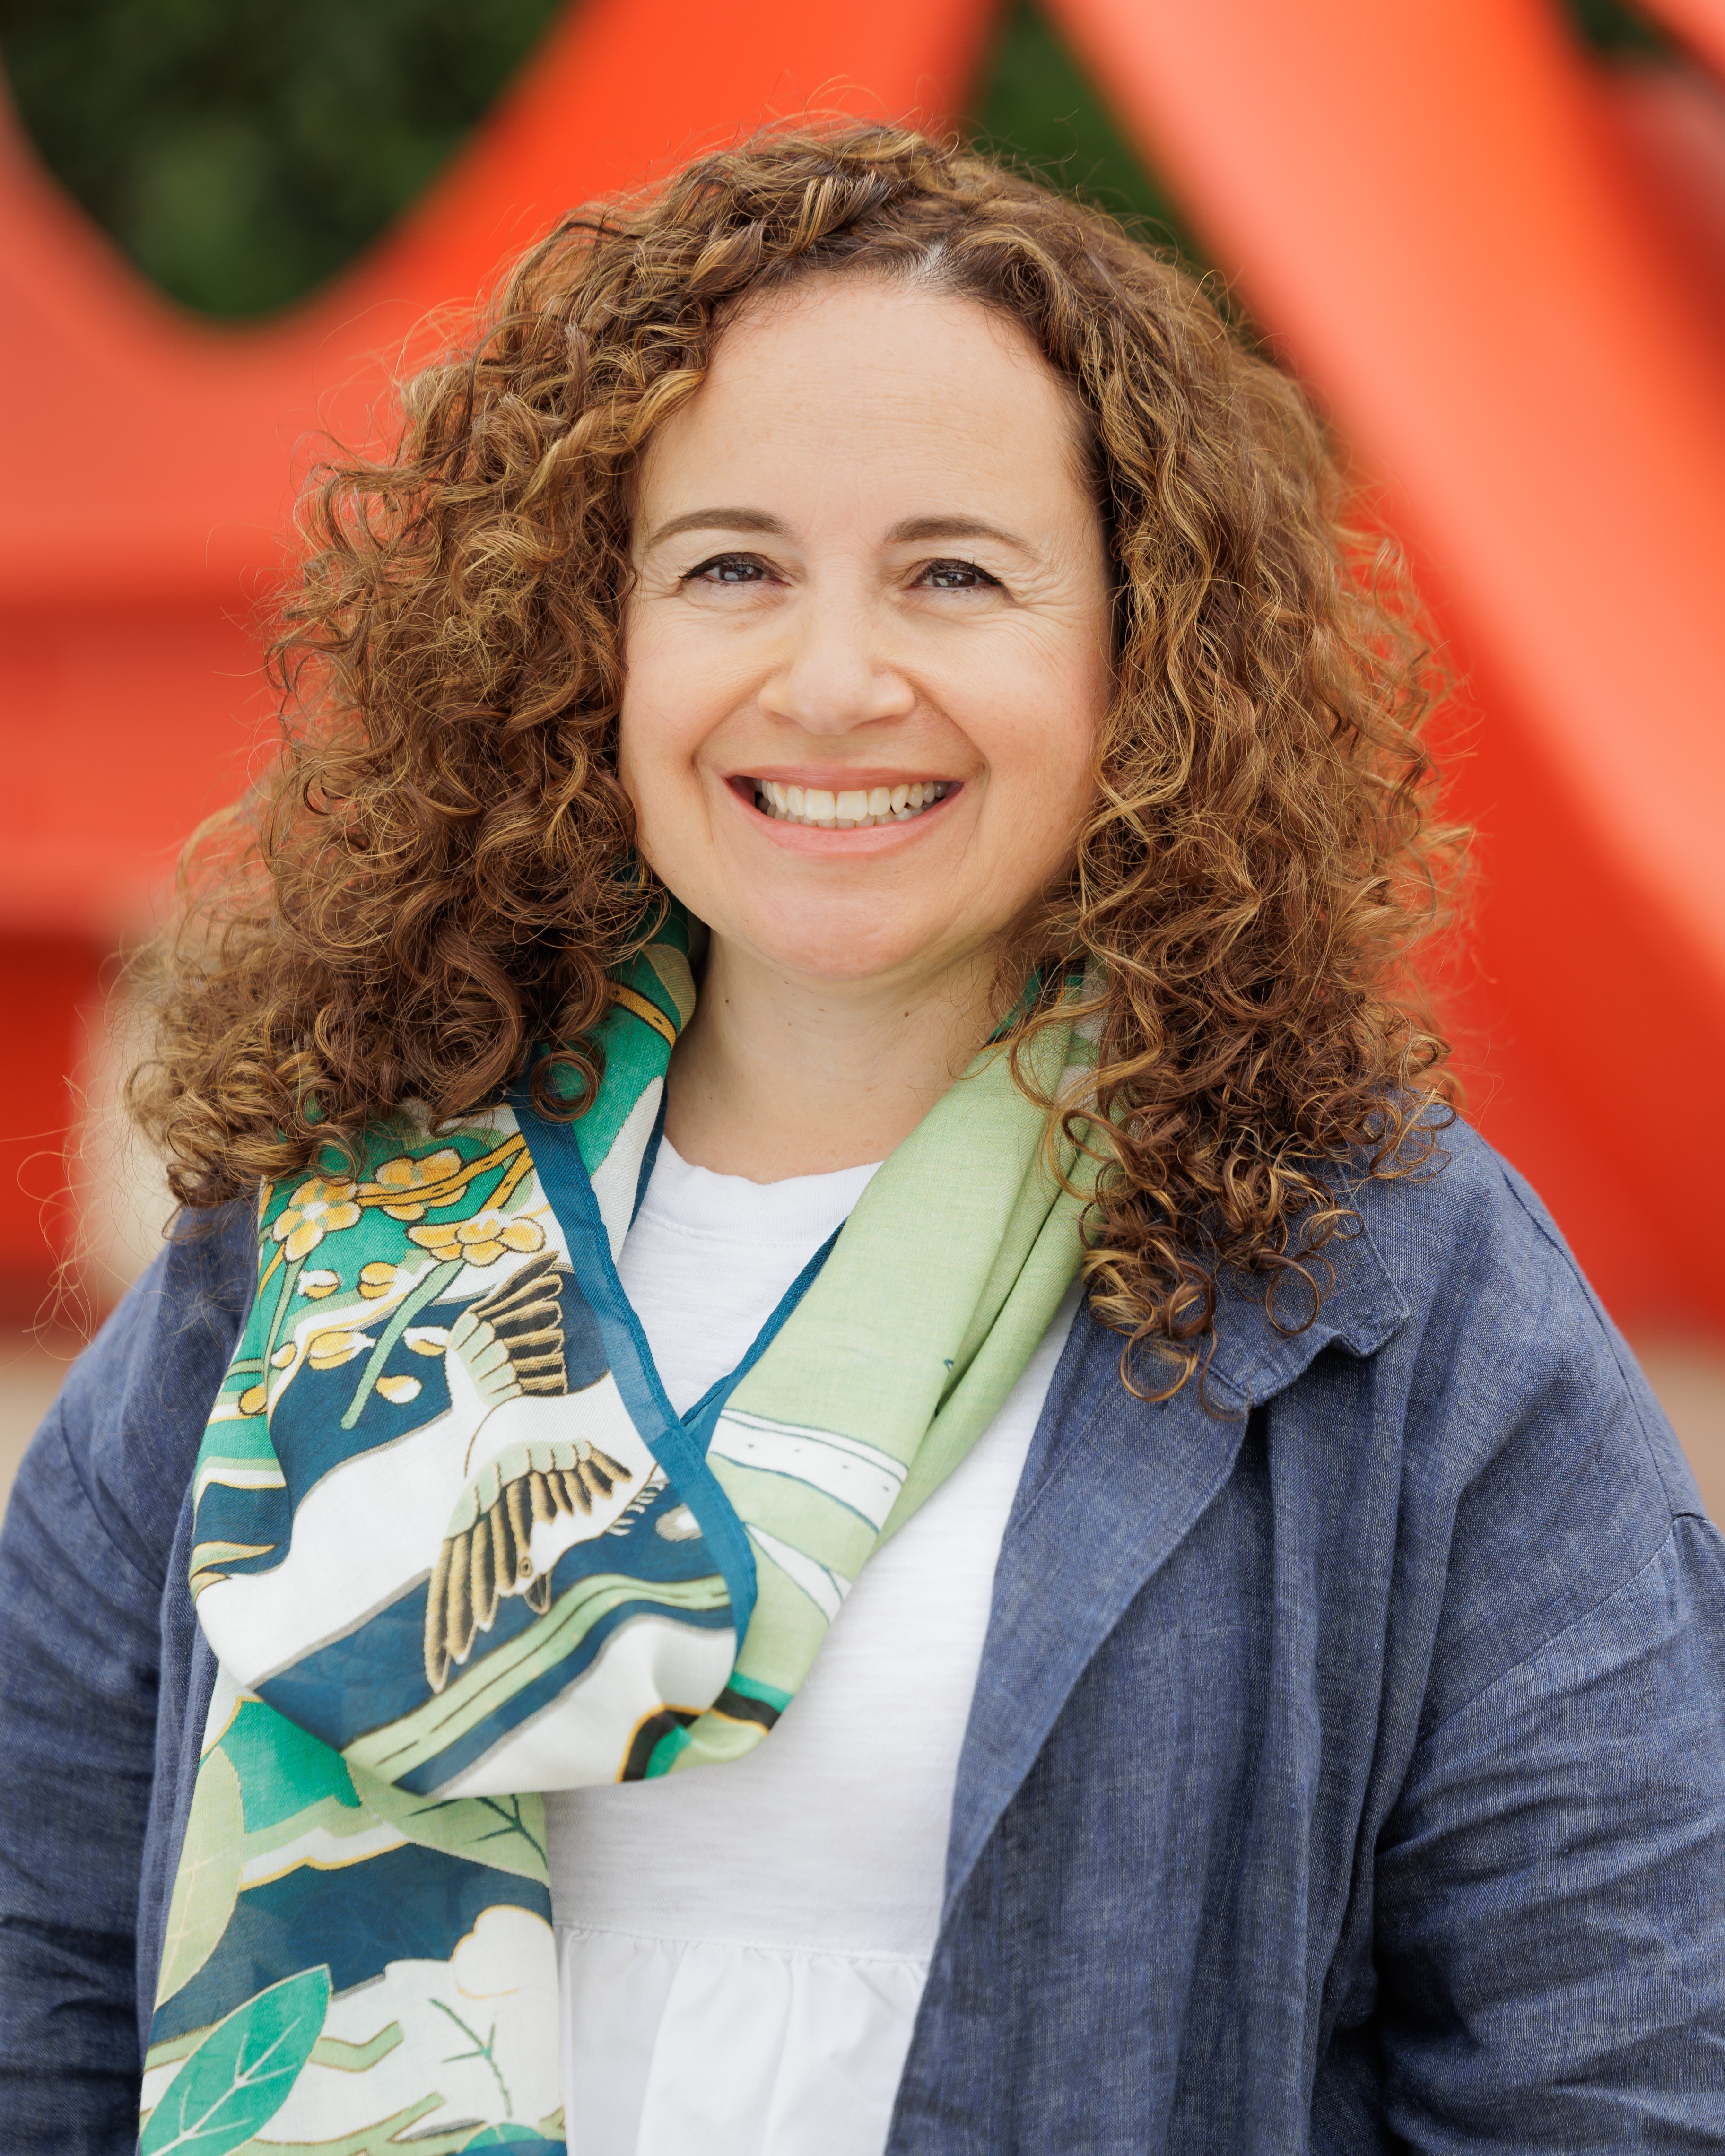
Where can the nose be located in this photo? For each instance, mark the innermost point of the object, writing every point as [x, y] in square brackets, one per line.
[833, 673]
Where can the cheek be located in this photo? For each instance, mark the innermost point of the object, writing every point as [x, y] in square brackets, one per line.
[650, 720]
[648, 778]
[1046, 753]
[629, 733]
[678, 688]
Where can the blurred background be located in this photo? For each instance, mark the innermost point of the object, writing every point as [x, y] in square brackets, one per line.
[1491, 237]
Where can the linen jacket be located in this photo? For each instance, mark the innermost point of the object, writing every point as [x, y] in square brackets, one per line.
[1346, 1770]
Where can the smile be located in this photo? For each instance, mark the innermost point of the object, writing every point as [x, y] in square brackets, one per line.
[854, 809]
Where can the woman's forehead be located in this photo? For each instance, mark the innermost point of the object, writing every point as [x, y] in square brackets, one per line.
[900, 383]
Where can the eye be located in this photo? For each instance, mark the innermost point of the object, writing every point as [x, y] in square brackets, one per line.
[956, 577]
[729, 569]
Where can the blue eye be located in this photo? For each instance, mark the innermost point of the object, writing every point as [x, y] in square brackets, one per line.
[729, 569]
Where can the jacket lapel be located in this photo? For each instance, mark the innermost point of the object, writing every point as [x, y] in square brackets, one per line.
[1110, 1489]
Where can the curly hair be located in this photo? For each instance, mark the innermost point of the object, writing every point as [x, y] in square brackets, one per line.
[430, 885]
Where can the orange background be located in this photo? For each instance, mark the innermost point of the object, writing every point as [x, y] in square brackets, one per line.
[1502, 269]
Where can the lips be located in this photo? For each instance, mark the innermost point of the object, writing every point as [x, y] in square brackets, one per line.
[849, 808]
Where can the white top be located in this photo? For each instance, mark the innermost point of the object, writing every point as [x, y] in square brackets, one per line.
[742, 1949]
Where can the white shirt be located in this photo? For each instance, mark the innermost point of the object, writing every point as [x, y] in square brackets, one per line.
[742, 1949]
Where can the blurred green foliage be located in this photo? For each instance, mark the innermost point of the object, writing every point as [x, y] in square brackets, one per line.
[1035, 107]
[241, 151]
[1617, 31]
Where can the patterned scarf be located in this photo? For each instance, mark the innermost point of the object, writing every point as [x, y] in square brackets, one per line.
[453, 1547]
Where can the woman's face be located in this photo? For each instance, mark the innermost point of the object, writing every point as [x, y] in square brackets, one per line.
[868, 649]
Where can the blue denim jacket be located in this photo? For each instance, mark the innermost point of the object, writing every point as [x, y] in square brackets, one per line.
[1346, 1770]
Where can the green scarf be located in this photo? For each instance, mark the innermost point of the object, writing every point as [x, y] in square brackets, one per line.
[453, 1548]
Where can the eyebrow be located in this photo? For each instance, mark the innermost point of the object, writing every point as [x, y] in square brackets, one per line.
[719, 520]
[915, 528]
[910, 532]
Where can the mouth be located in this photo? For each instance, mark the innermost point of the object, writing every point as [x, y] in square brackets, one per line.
[853, 809]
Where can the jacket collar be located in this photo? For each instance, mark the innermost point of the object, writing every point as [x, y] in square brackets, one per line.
[1110, 1488]
[1259, 1350]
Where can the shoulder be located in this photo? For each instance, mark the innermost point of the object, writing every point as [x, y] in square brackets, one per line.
[1467, 1202]
[1501, 1320]
[1536, 1469]
[131, 1412]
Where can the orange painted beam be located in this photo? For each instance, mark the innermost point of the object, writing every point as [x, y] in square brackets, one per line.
[160, 449]
[1429, 207]
[1700, 25]
[51, 986]
[1437, 212]
[151, 460]
[147, 496]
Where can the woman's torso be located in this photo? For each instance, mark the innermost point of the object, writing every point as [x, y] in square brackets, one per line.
[742, 1952]
[1345, 1776]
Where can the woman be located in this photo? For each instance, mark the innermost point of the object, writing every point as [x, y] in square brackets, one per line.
[816, 1170]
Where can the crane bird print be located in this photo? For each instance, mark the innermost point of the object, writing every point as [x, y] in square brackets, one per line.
[510, 1343]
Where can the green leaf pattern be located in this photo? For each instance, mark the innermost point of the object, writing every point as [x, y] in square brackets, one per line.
[241, 2074]
[508, 1833]
[207, 1885]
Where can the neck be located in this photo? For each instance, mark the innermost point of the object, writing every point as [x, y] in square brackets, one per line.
[776, 1076]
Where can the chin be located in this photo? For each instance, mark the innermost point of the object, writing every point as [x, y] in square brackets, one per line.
[847, 945]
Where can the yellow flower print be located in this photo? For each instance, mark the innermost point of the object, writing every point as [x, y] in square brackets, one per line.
[482, 1241]
[329, 1351]
[377, 1279]
[409, 1176]
[252, 1399]
[318, 1284]
[317, 1208]
[399, 1390]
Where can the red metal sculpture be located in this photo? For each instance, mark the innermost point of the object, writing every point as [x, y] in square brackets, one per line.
[1451, 220]
[1501, 269]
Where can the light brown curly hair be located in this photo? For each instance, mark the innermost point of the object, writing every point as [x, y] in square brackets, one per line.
[430, 885]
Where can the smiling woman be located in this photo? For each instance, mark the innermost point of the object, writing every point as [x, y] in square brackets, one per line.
[860, 760]
[820, 1164]
[1190, 768]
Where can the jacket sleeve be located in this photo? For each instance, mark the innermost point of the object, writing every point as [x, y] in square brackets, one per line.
[82, 1556]
[1550, 1885]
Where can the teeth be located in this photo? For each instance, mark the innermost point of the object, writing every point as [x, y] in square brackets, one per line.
[854, 809]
